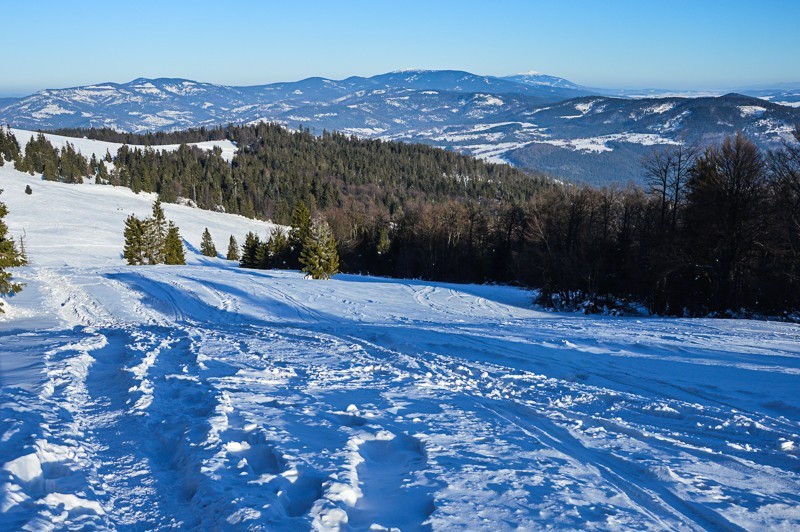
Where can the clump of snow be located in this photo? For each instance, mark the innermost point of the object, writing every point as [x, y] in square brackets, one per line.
[751, 110]
[51, 110]
[600, 144]
[488, 99]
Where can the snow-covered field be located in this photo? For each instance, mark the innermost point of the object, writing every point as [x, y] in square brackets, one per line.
[211, 397]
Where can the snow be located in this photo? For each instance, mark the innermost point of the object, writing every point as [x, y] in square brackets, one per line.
[487, 100]
[210, 397]
[365, 132]
[751, 110]
[600, 144]
[51, 110]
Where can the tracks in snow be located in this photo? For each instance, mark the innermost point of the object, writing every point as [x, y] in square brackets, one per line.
[215, 407]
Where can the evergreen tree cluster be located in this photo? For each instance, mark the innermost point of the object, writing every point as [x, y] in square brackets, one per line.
[276, 169]
[9, 147]
[310, 245]
[66, 165]
[154, 138]
[152, 240]
[273, 252]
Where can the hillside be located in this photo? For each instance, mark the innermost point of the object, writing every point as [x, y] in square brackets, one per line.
[534, 121]
[206, 396]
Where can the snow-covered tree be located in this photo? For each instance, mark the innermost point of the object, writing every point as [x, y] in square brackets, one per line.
[207, 247]
[319, 257]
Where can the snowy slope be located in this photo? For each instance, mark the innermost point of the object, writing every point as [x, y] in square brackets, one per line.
[212, 397]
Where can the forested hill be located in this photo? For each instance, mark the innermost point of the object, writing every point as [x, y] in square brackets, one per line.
[275, 168]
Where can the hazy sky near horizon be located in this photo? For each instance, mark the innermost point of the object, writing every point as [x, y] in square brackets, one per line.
[681, 44]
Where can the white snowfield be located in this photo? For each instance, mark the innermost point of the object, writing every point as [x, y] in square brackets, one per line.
[211, 397]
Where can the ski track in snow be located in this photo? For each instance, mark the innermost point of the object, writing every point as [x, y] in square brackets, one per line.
[230, 398]
[210, 397]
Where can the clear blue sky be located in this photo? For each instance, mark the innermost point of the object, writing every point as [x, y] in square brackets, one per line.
[608, 43]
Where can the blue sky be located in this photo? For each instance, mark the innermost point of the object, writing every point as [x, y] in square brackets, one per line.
[612, 43]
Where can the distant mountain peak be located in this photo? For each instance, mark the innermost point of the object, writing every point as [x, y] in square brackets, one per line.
[410, 71]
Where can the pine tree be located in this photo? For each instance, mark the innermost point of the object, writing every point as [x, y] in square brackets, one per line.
[9, 147]
[102, 174]
[319, 258]
[301, 228]
[134, 251]
[9, 258]
[278, 248]
[155, 234]
[173, 246]
[207, 247]
[233, 249]
[249, 251]
[50, 169]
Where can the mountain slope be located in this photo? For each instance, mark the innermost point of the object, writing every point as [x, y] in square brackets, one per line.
[534, 120]
[210, 397]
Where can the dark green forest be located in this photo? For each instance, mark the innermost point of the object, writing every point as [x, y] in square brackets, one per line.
[715, 230]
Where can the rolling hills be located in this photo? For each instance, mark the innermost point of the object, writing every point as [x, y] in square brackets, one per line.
[207, 396]
[533, 121]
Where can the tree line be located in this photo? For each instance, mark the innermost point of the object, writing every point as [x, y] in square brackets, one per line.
[716, 229]
[40, 156]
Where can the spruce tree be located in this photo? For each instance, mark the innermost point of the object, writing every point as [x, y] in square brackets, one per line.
[9, 258]
[319, 257]
[262, 256]
[249, 251]
[207, 247]
[155, 234]
[233, 249]
[278, 248]
[134, 251]
[173, 246]
[50, 169]
[301, 227]
[9, 147]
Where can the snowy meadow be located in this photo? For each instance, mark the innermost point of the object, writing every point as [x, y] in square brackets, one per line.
[211, 397]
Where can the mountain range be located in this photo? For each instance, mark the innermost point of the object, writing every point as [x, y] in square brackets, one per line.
[531, 120]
